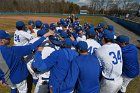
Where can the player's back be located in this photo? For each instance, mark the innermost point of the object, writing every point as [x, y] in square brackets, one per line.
[92, 45]
[89, 72]
[21, 38]
[110, 56]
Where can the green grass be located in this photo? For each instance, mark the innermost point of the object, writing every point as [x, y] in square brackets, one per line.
[91, 19]
[134, 86]
[7, 24]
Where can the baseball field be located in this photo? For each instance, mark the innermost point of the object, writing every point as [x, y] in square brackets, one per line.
[8, 23]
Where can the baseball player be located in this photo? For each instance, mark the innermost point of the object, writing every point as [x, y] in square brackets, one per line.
[59, 26]
[58, 63]
[43, 78]
[12, 63]
[21, 37]
[38, 26]
[31, 25]
[111, 28]
[86, 26]
[130, 61]
[46, 26]
[100, 30]
[30, 58]
[83, 76]
[110, 56]
[92, 43]
[81, 36]
[65, 26]
[76, 18]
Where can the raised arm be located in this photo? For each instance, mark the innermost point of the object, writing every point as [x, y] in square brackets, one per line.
[44, 65]
[26, 50]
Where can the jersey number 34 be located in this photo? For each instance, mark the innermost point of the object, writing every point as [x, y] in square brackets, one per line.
[117, 57]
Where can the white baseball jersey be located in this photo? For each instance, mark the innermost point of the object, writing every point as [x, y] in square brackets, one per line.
[92, 45]
[59, 28]
[21, 38]
[36, 30]
[29, 59]
[110, 56]
[83, 38]
[45, 53]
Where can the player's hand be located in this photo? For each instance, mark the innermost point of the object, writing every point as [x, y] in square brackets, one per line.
[49, 34]
[2, 84]
[62, 39]
[40, 48]
[72, 37]
[30, 27]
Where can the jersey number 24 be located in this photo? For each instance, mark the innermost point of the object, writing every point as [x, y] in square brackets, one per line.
[117, 57]
[17, 38]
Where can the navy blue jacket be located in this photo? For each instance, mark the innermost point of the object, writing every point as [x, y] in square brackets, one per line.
[58, 63]
[130, 61]
[13, 57]
[84, 75]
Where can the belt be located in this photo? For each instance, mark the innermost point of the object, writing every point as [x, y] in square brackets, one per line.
[46, 81]
[45, 78]
[109, 79]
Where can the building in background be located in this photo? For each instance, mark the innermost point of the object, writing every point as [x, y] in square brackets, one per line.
[84, 11]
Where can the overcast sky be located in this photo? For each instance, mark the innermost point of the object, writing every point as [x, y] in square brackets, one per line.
[83, 2]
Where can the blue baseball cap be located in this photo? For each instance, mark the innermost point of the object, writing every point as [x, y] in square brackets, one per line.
[58, 23]
[76, 23]
[30, 22]
[55, 40]
[86, 24]
[38, 23]
[67, 42]
[46, 26]
[63, 34]
[4, 35]
[107, 34]
[19, 24]
[59, 31]
[67, 20]
[52, 26]
[91, 32]
[79, 28]
[82, 45]
[41, 32]
[123, 39]
[65, 24]
[62, 20]
[110, 27]
[100, 25]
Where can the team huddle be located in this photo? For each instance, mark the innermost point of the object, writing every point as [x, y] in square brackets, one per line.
[66, 57]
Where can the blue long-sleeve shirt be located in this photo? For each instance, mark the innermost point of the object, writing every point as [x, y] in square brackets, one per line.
[130, 61]
[58, 63]
[13, 59]
[84, 75]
